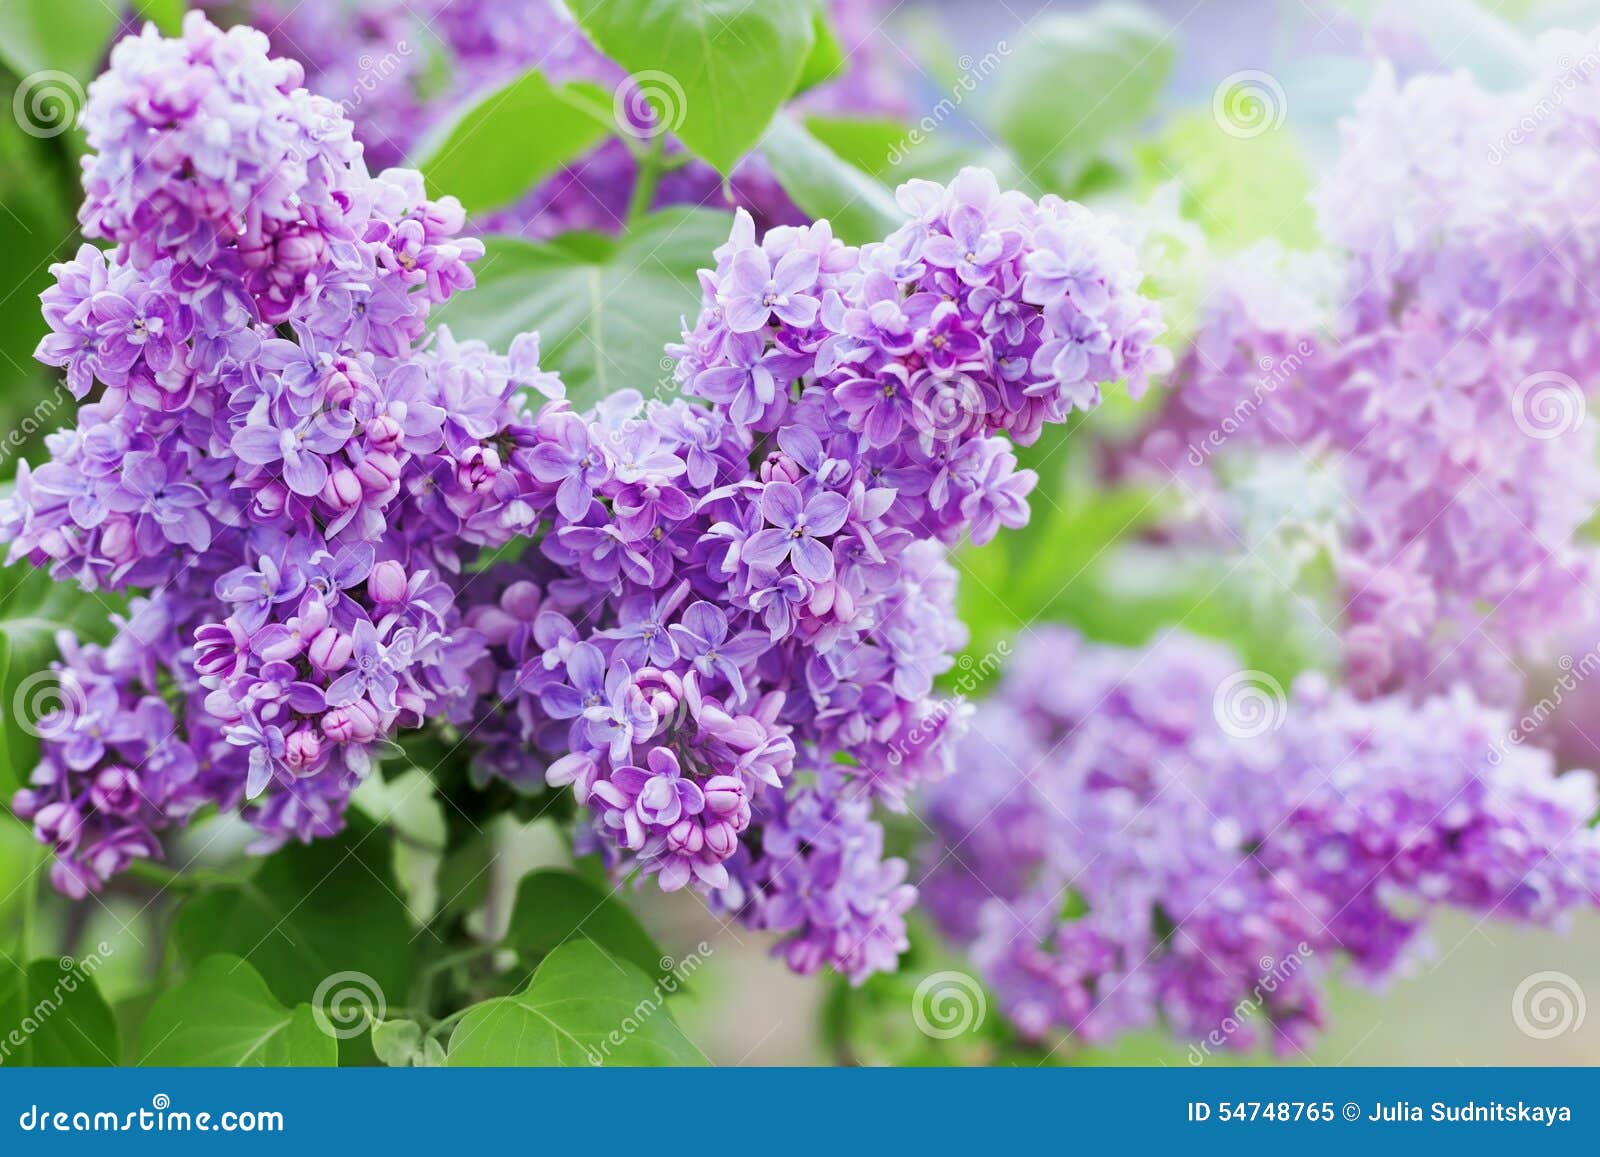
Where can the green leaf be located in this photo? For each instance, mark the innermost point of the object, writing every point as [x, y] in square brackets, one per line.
[827, 59]
[1076, 82]
[225, 1016]
[715, 70]
[1238, 191]
[823, 185]
[54, 1008]
[400, 1044]
[604, 308]
[68, 36]
[487, 156]
[311, 913]
[553, 907]
[167, 15]
[582, 1007]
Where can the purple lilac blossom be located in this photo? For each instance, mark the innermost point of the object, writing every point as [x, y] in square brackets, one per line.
[295, 493]
[1113, 859]
[1442, 390]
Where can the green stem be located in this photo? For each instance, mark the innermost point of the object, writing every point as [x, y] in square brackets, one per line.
[447, 1021]
[644, 186]
[171, 879]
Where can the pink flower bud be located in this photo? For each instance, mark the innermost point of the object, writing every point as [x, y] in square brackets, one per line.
[779, 467]
[300, 253]
[378, 472]
[336, 724]
[330, 650]
[116, 540]
[384, 434]
[687, 837]
[724, 794]
[721, 839]
[342, 491]
[478, 469]
[302, 749]
[387, 583]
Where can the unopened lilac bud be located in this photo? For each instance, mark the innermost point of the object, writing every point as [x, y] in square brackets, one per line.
[724, 794]
[387, 583]
[330, 651]
[779, 467]
[342, 491]
[117, 541]
[301, 750]
[378, 472]
[686, 837]
[721, 839]
[116, 790]
[339, 726]
[478, 469]
[58, 825]
[384, 434]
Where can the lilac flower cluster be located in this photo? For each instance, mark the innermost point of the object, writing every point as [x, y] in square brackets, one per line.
[1113, 857]
[725, 620]
[267, 446]
[723, 596]
[1445, 392]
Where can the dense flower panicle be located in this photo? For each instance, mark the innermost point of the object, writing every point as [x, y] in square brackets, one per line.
[1115, 856]
[267, 444]
[1442, 392]
[723, 594]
